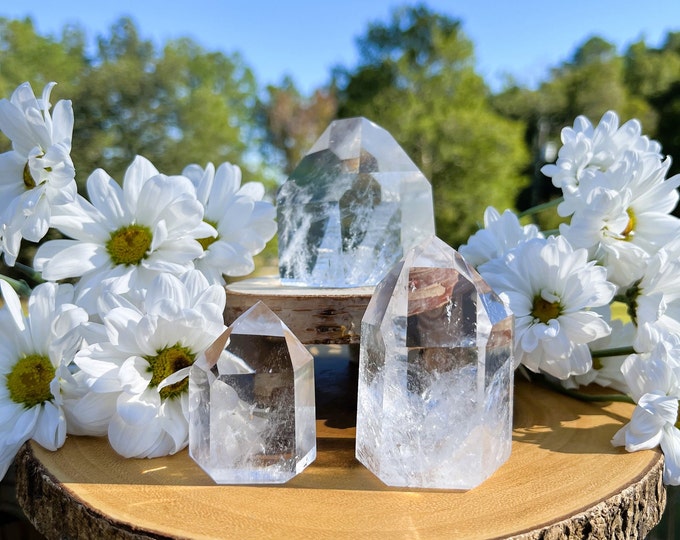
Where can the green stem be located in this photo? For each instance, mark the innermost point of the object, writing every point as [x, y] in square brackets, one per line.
[33, 275]
[540, 207]
[20, 286]
[614, 351]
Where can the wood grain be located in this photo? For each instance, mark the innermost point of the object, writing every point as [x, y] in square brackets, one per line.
[563, 480]
[315, 315]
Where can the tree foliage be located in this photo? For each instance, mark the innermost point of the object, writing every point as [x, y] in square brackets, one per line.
[293, 122]
[24, 54]
[653, 75]
[642, 83]
[27, 56]
[177, 104]
[417, 80]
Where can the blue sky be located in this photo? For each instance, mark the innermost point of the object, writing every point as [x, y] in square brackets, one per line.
[305, 38]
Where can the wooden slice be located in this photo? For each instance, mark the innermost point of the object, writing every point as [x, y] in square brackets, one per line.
[314, 315]
[563, 480]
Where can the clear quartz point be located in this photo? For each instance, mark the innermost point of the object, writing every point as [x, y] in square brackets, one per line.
[435, 374]
[351, 208]
[251, 403]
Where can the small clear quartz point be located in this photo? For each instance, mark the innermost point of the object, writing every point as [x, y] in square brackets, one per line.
[251, 403]
[435, 374]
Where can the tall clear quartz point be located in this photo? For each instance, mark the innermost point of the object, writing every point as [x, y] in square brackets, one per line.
[435, 374]
[351, 208]
[252, 415]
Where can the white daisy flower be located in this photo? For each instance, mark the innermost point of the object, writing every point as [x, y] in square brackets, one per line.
[244, 222]
[601, 228]
[34, 353]
[654, 381]
[37, 173]
[625, 215]
[655, 299]
[500, 234]
[586, 148]
[125, 236]
[551, 289]
[137, 377]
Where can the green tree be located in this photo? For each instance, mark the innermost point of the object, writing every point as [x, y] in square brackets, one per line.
[653, 75]
[593, 83]
[26, 56]
[178, 106]
[652, 72]
[416, 79]
[594, 80]
[175, 106]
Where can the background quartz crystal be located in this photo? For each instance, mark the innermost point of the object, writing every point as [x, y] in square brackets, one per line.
[251, 403]
[351, 208]
[435, 375]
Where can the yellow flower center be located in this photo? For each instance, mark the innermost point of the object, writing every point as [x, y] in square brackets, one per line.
[29, 381]
[166, 362]
[29, 181]
[129, 245]
[544, 311]
[207, 241]
[629, 231]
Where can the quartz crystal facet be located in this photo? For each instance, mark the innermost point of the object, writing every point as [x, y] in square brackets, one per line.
[251, 403]
[435, 374]
[351, 208]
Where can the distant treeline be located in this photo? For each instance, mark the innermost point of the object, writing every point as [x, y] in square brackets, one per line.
[416, 77]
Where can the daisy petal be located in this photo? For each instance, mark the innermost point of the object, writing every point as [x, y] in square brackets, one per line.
[670, 444]
[24, 427]
[133, 441]
[138, 409]
[62, 259]
[13, 304]
[50, 429]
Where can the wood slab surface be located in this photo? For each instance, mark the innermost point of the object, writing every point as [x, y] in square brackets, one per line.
[563, 480]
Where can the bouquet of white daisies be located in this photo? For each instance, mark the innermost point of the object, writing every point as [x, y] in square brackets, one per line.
[129, 296]
[619, 242]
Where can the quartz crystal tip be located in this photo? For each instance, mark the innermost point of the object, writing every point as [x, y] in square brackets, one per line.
[351, 208]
